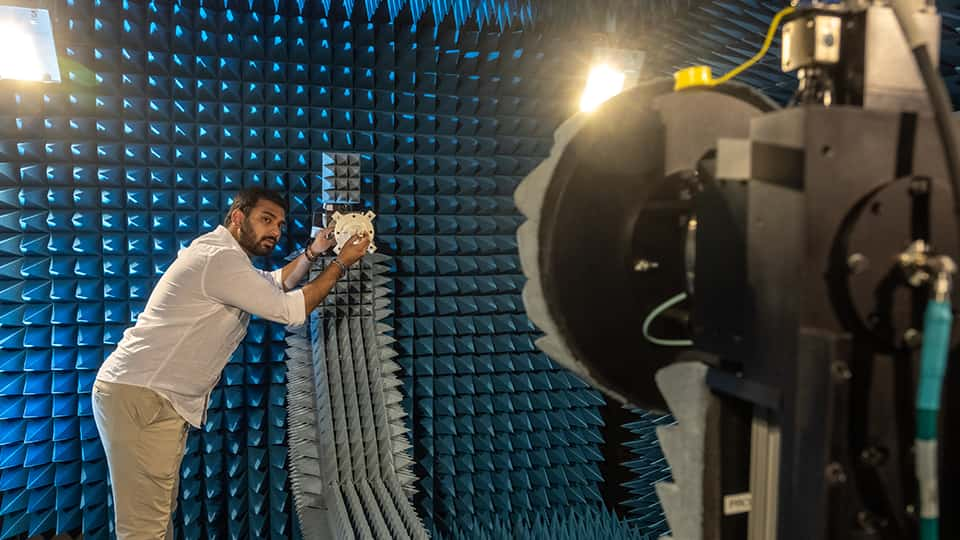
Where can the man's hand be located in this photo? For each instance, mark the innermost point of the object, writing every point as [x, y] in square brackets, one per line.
[323, 242]
[354, 249]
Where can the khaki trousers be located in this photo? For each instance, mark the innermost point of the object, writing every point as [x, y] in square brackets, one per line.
[144, 439]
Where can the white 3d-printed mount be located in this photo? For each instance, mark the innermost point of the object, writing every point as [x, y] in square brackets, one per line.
[345, 226]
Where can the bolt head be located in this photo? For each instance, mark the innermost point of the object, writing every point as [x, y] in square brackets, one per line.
[858, 263]
[835, 473]
[841, 371]
[912, 338]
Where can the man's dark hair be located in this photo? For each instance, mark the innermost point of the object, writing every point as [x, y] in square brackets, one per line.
[247, 198]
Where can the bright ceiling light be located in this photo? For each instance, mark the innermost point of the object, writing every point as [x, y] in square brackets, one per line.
[19, 59]
[27, 49]
[603, 83]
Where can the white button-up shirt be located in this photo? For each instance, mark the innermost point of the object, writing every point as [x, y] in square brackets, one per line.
[194, 320]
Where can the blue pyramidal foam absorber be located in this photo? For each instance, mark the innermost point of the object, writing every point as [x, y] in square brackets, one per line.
[590, 523]
[101, 184]
[649, 468]
[349, 450]
[724, 51]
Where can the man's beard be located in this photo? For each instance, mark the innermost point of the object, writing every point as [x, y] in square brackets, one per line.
[248, 240]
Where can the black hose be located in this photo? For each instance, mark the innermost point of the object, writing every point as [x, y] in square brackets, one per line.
[943, 117]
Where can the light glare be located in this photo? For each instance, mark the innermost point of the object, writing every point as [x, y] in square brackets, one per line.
[603, 83]
[19, 58]
[27, 48]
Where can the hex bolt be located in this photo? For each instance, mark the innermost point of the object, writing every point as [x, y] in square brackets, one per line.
[873, 456]
[858, 263]
[835, 473]
[912, 338]
[841, 371]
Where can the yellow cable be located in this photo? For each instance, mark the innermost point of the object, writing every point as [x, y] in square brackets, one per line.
[700, 75]
[763, 50]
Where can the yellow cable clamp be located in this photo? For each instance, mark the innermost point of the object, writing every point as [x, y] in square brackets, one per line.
[695, 76]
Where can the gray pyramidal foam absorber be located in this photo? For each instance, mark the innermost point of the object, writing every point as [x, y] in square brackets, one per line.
[688, 396]
[351, 468]
[529, 198]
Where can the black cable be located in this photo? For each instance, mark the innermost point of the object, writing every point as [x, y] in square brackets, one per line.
[943, 117]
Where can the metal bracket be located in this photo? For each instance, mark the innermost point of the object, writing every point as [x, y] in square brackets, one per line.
[347, 225]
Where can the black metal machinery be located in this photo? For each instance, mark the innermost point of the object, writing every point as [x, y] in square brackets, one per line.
[781, 249]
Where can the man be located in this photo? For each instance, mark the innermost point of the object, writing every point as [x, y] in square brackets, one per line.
[159, 379]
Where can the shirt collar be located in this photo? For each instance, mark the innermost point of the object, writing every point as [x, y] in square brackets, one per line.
[226, 239]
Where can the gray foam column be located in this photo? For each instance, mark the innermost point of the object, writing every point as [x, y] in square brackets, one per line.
[685, 389]
[351, 468]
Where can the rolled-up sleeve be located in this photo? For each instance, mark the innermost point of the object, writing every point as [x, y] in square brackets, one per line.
[230, 279]
[275, 277]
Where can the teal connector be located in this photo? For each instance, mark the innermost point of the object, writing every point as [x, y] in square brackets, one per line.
[937, 323]
[929, 529]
